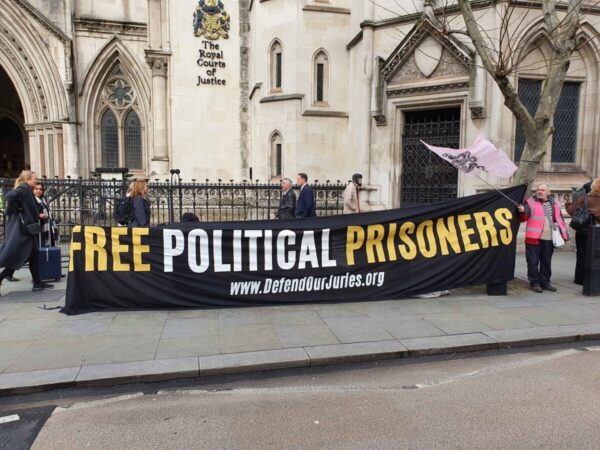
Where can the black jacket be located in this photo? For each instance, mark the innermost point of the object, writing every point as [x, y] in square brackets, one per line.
[306, 203]
[18, 244]
[287, 205]
[141, 212]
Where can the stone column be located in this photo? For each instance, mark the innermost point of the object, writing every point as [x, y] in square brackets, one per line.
[158, 62]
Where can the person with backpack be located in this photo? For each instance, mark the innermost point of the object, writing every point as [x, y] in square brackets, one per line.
[140, 205]
[588, 194]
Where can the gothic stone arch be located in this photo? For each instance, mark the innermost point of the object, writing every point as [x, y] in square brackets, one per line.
[27, 60]
[114, 60]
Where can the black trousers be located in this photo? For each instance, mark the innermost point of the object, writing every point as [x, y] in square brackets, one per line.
[539, 263]
[34, 268]
[581, 244]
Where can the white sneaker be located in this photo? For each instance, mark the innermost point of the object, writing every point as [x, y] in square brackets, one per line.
[445, 292]
[430, 295]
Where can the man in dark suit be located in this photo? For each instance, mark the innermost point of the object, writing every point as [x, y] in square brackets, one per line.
[287, 204]
[306, 201]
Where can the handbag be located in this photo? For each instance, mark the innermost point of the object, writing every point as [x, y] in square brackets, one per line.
[557, 238]
[30, 228]
[582, 218]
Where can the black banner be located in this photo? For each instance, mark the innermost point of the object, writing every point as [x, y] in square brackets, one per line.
[370, 256]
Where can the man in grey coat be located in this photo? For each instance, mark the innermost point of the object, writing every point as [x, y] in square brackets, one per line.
[287, 204]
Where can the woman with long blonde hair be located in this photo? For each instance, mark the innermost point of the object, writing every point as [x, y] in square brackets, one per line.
[140, 204]
[22, 230]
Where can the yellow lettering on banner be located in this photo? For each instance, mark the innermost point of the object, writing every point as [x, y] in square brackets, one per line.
[466, 232]
[118, 248]
[139, 249]
[375, 234]
[390, 242]
[504, 216]
[75, 246]
[427, 246]
[447, 235]
[487, 229]
[95, 242]
[355, 238]
[408, 250]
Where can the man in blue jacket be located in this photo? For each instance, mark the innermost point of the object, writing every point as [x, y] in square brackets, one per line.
[306, 202]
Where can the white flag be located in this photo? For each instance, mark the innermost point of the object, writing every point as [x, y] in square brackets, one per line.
[482, 156]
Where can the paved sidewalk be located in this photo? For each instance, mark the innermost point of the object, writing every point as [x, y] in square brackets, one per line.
[41, 348]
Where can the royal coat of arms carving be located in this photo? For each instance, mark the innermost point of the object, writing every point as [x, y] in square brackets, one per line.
[211, 20]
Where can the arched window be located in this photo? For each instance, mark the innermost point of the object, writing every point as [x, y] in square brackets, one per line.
[133, 141]
[276, 66]
[121, 132]
[321, 79]
[276, 155]
[109, 132]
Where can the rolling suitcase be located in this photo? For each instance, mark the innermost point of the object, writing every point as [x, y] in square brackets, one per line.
[49, 262]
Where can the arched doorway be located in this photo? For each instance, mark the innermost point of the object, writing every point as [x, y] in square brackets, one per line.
[13, 145]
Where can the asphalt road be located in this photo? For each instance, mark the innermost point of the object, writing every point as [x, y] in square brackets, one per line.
[544, 398]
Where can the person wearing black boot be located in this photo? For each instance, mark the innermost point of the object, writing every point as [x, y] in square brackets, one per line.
[22, 230]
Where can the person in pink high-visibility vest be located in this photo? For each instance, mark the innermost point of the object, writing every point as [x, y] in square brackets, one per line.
[543, 216]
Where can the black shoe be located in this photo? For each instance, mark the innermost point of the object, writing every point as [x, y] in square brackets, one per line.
[37, 288]
[47, 285]
[580, 283]
[537, 289]
[12, 279]
[549, 288]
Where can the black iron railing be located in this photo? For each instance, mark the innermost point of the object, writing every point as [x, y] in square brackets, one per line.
[91, 201]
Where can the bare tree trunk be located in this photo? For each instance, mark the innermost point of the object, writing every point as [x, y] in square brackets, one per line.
[539, 128]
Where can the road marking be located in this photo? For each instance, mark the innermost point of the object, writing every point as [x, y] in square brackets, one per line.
[7, 419]
[96, 403]
[593, 349]
[499, 368]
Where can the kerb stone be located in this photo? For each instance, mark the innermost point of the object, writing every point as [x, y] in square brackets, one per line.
[253, 361]
[357, 352]
[140, 371]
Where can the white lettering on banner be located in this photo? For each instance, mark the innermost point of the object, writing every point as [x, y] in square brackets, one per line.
[237, 250]
[218, 252]
[290, 262]
[308, 250]
[171, 249]
[253, 236]
[257, 242]
[325, 261]
[268, 250]
[193, 238]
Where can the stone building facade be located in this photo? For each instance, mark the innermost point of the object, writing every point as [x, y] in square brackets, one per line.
[259, 89]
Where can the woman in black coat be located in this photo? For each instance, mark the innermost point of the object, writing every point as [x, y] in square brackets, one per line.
[21, 234]
[140, 204]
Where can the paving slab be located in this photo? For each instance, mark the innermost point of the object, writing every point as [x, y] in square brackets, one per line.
[180, 348]
[27, 296]
[142, 371]
[358, 352]
[248, 338]
[253, 361]
[357, 329]
[545, 335]
[305, 335]
[193, 327]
